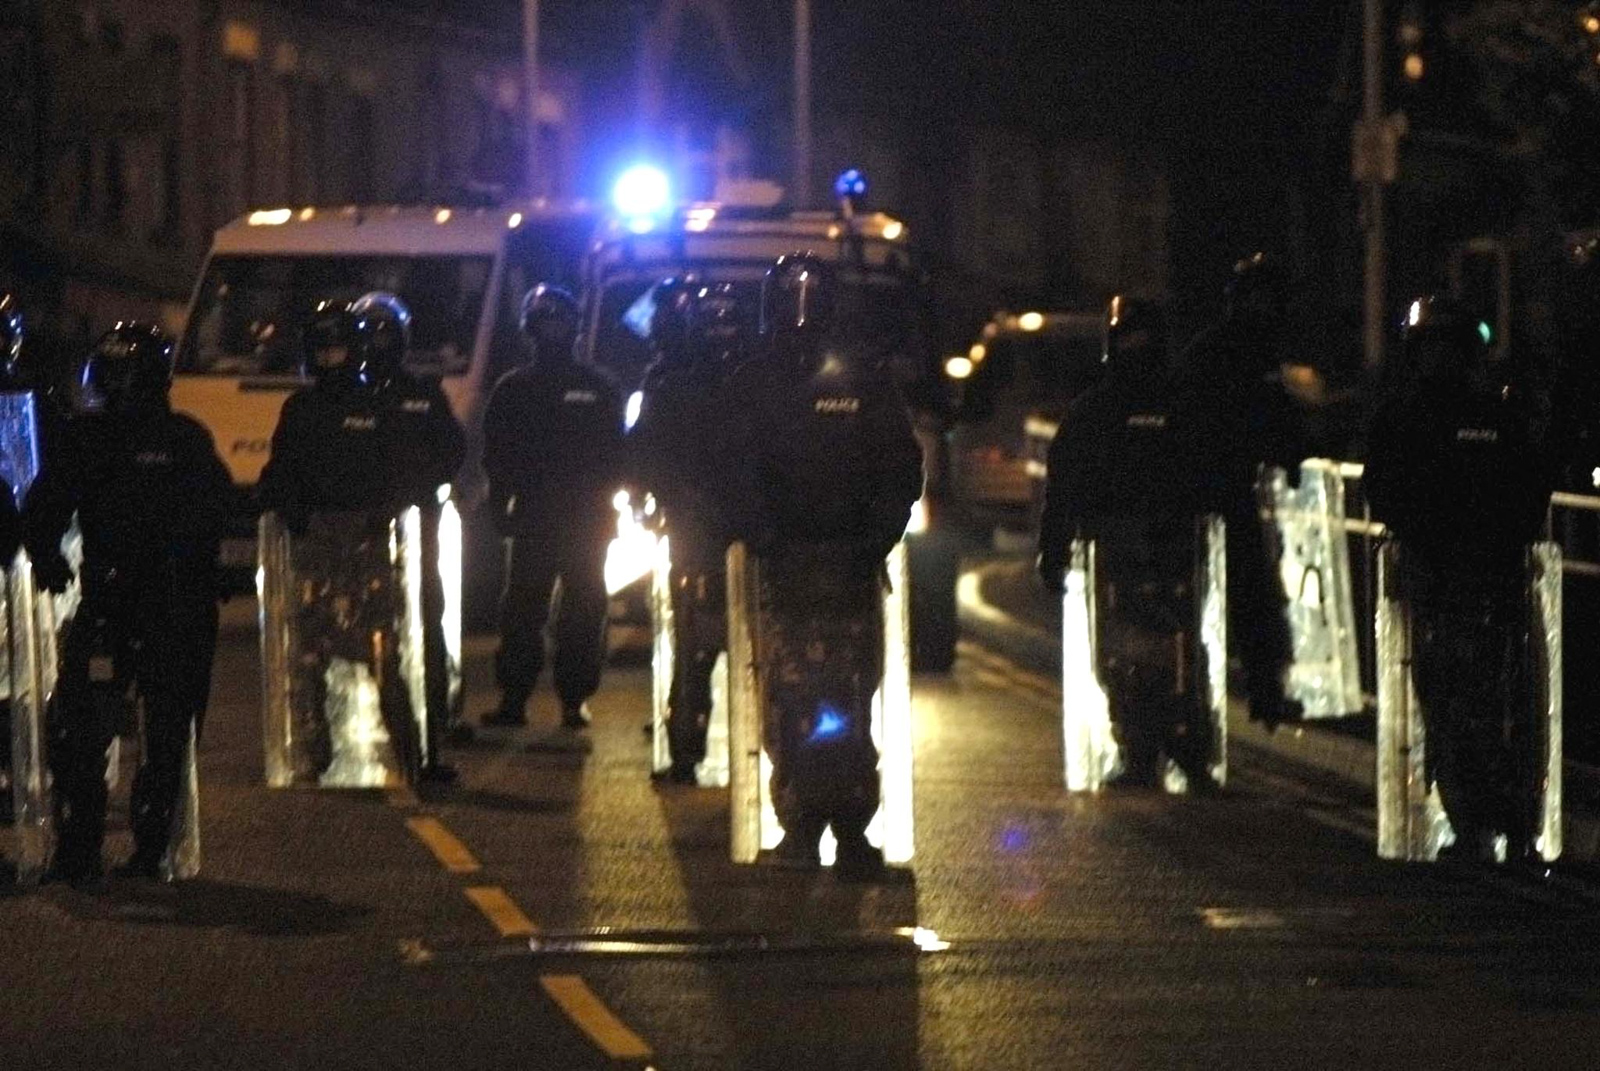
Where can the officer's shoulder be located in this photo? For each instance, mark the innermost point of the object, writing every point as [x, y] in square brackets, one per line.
[185, 426]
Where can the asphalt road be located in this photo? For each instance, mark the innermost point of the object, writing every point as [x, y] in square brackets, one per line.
[556, 910]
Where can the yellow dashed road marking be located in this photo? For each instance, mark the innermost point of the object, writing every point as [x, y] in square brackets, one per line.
[591, 1016]
[442, 843]
[501, 911]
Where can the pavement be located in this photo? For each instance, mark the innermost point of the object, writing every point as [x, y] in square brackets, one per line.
[555, 909]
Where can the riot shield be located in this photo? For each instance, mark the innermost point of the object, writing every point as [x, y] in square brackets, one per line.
[713, 772]
[343, 651]
[755, 664]
[1187, 651]
[1088, 743]
[25, 675]
[1412, 822]
[1305, 531]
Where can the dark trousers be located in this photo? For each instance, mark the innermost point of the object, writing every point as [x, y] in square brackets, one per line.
[349, 605]
[436, 653]
[1145, 615]
[1474, 669]
[1258, 623]
[150, 636]
[574, 617]
[824, 662]
[700, 634]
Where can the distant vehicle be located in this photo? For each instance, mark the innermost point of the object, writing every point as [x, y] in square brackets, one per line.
[882, 308]
[461, 271]
[1014, 386]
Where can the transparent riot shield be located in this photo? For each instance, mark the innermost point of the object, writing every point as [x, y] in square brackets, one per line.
[342, 649]
[755, 826]
[1305, 530]
[1088, 743]
[1412, 823]
[24, 679]
[1090, 750]
[713, 772]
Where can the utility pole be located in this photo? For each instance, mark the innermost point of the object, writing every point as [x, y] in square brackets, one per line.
[1375, 153]
[802, 104]
[530, 93]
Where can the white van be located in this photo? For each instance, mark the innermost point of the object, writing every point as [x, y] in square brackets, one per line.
[462, 271]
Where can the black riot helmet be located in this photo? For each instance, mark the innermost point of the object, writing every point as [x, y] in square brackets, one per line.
[332, 360]
[1440, 341]
[718, 323]
[381, 325]
[1258, 289]
[1135, 341]
[10, 338]
[550, 318]
[671, 303]
[129, 371]
[797, 297]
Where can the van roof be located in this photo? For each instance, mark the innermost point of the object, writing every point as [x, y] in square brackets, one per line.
[412, 230]
[727, 233]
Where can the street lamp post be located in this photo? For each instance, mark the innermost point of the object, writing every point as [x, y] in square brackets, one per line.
[530, 93]
[802, 103]
[1375, 154]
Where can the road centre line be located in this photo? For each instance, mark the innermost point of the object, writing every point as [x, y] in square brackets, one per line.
[501, 911]
[586, 1010]
[450, 852]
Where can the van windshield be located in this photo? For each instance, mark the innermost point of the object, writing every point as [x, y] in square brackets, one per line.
[876, 311]
[251, 310]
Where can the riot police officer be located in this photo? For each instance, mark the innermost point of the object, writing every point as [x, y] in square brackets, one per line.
[152, 498]
[1233, 371]
[1459, 468]
[824, 469]
[428, 448]
[698, 332]
[1131, 469]
[552, 449]
[355, 442]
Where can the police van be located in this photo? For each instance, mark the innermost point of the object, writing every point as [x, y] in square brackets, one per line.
[1014, 386]
[462, 271]
[882, 307]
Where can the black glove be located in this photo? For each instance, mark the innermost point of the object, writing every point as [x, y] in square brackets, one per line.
[1053, 572]
[52, 573]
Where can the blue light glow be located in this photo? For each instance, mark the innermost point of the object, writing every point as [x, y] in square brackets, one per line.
[830, 726]
[642, 194]
[851, 184]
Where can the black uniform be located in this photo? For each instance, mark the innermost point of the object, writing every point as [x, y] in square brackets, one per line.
[824, 469]
[552, 449]
[152, 499]
[1132, 469]
[1462, 474]
[1229, 373]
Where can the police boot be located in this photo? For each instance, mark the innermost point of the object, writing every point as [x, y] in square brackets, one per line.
[511, 714]
[575, 716]
[799, 849]
[856, 859]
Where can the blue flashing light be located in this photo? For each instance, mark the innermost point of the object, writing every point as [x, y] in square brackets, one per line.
[1485, 332]
[642, 194]
[830, 726]
[850, 184]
